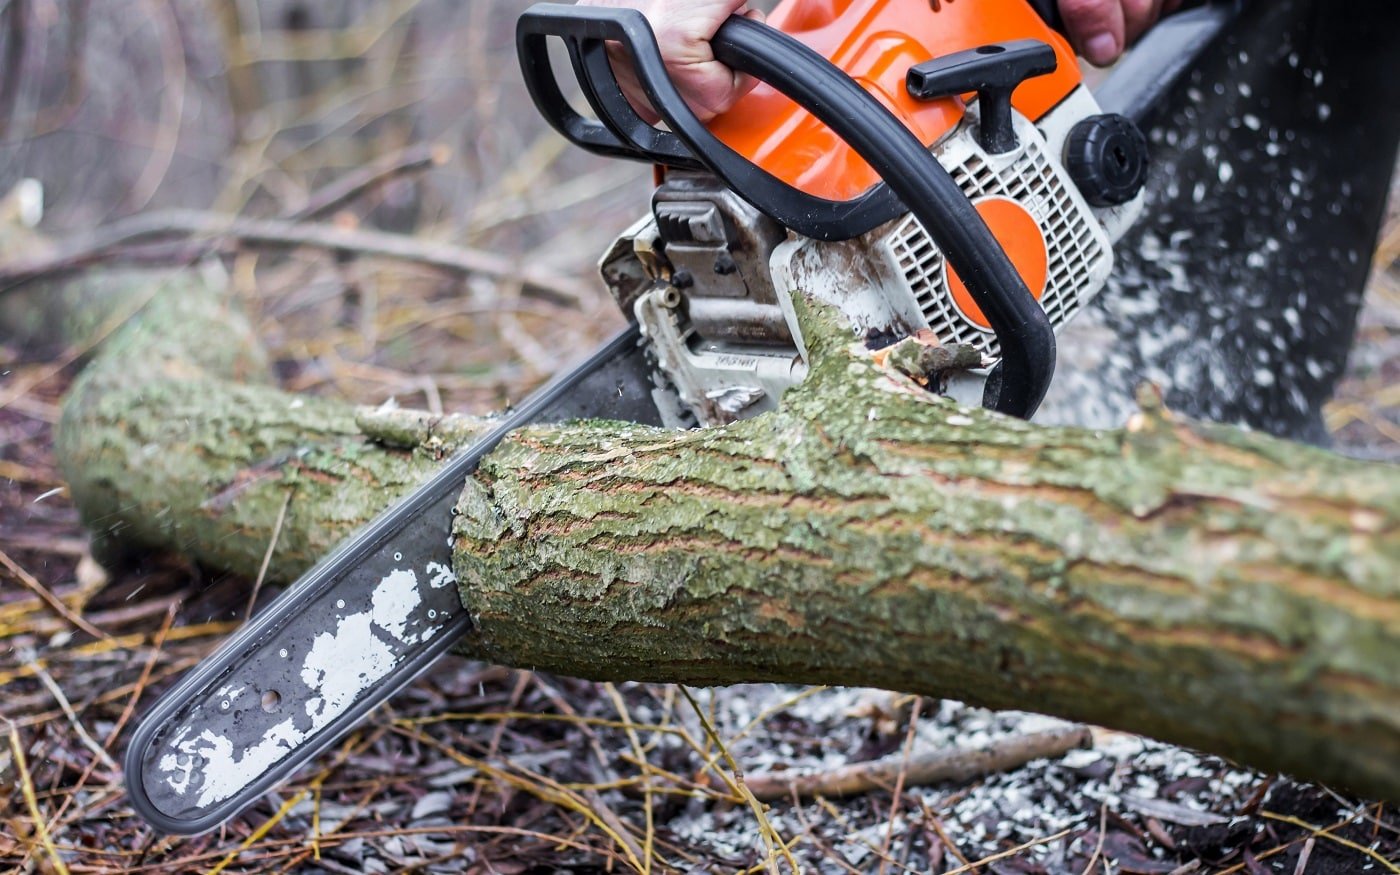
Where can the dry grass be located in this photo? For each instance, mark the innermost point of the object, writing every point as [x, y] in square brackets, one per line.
[474, 768]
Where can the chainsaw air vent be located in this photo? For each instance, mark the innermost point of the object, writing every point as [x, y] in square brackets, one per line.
[1079, 253]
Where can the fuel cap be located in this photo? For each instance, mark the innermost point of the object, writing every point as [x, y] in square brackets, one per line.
[1106, 156]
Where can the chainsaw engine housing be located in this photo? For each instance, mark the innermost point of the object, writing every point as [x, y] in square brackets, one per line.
[709, 278]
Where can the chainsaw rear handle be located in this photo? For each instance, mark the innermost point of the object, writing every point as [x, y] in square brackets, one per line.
[911, 173]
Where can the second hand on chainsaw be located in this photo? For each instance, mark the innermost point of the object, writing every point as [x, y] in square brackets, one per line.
[1099, 30]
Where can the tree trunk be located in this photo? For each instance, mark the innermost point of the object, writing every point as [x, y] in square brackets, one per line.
[1196, 583]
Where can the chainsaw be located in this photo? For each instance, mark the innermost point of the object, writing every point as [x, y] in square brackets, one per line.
[919, 166]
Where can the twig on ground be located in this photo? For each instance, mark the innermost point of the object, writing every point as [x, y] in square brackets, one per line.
[1326, 833]
[156, 645]
[740, 787]
[649, 839]
[1304, 855]
[31, 799]
[57, 822]
[904, 761]
[1098, 845]
[1009, 852]
[49, 598]
[939, 830]
[1278, 849]
[928, 768]
[21, 474]
[57, 692]
[267, 557]
[262, 830]
[539, 786]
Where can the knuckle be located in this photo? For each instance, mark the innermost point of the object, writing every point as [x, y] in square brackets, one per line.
[1085, 9]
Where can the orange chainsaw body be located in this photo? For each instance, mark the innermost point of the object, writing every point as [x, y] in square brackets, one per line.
[875, 42]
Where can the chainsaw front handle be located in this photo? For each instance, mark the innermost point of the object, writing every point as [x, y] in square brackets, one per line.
[912, 175]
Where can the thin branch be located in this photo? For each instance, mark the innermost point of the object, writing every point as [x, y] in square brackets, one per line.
[109, 242]
[57, 692]
[958, 764]
[13, 64]
[31, 799]
[175, 76]
[267, 557]
[373, 175]
[49, 598]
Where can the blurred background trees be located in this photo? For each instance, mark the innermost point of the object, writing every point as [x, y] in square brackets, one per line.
[248, 106]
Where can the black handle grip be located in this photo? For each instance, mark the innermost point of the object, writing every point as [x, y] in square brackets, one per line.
[993, 71]
[912, 175]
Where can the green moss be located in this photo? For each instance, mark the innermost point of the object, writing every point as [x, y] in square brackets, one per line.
[866, 533]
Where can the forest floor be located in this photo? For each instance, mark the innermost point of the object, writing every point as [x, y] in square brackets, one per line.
[483, 769]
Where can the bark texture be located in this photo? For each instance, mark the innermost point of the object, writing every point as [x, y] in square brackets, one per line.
[173, 438]
[1197, 583]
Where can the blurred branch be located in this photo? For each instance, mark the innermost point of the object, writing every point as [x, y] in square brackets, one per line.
[15, 39]
[75, 86]
[339, 44]
[174, 73]
[356, 183]
[244, 91]
[113, 241]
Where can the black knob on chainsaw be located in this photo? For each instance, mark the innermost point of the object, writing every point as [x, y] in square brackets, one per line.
[1106, 156]
[993, 71]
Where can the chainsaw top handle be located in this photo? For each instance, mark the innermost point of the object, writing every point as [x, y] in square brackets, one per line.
[911, 173]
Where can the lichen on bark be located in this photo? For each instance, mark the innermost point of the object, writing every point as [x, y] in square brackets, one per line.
[173, 437]
[1201, 584]
[1198, 583]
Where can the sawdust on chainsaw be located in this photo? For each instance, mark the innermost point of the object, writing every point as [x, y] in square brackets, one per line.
[482, 769]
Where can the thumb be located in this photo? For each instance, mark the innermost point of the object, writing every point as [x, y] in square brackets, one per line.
[1096, 27]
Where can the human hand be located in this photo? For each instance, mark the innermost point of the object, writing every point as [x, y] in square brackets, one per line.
[1101, 29]
[683, 31]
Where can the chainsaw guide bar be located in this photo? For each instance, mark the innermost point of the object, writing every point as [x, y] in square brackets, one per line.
[351, 632]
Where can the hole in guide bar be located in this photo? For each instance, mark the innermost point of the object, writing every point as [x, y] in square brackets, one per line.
[271, 700]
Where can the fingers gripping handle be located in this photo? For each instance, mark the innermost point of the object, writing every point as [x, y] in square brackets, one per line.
[910, 172]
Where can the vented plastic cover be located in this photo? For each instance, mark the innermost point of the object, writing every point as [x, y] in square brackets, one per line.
[1080, 256]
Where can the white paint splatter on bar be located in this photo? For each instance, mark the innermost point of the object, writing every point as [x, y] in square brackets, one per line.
[341, 664]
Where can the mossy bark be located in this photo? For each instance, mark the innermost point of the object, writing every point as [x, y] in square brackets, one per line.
[1196, 583]
[174, 438]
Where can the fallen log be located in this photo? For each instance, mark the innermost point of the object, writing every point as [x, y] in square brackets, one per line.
[1201, 584]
